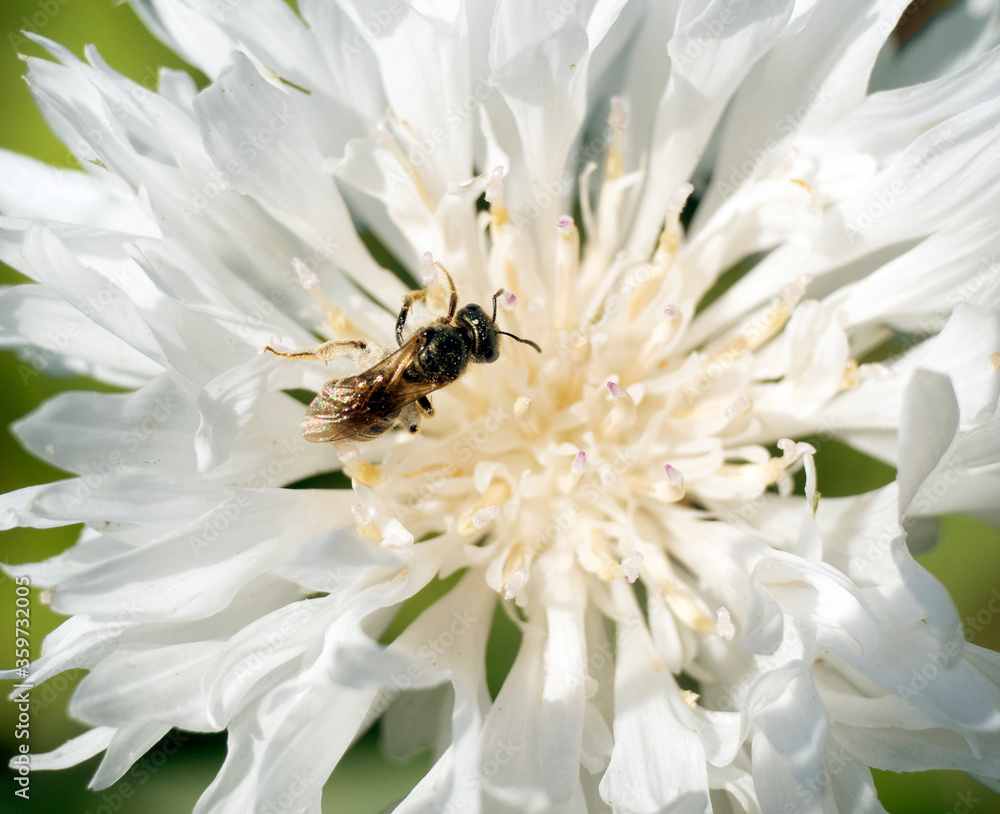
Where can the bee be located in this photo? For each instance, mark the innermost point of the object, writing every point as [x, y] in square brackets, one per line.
[397, 388]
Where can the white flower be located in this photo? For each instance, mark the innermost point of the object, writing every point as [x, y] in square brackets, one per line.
[696, 633]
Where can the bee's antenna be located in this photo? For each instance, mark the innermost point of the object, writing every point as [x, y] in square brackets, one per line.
[499, 292]
[522, 341]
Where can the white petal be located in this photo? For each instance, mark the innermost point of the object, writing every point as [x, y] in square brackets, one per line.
[128, 745]
[257, 135]
[76, 750]
[36, 190]
[657, 757]
[705, 70]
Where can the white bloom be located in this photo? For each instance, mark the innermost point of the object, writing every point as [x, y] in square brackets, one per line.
[652, 443]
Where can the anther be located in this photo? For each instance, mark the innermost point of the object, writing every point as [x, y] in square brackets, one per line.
[739, 406]
[514, 583]
[570, 479]
[629, 567]
[483, 517]
[724, 626]
[427, 271]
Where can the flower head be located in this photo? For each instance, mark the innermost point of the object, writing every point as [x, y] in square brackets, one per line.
[705, 228]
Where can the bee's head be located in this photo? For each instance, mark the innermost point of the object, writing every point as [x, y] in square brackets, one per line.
[480, 333]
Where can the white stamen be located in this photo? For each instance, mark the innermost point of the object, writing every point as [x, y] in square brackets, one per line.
[427, 273]
[876, 371]
[617, 392]
[485, 516]
[629, 567]
[346, 451]
[724, 625]
[514, 583]
[792, 451]
[363, 514]
[570, 479]
[383, 136]
[678, 198]
[674, 477]
[494, 187]
[618, 118]
[738, 407]
[567, 257]
[793, 292]
[671, 311]
[508, 300]
[307, 277]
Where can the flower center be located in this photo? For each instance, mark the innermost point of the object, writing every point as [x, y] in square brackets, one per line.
[603, 450]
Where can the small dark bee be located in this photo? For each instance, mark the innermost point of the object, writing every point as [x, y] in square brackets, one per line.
[365, 406]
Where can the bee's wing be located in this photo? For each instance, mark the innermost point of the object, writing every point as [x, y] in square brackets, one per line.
[365, 405]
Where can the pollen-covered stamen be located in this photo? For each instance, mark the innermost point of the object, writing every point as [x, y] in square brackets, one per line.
[363, 513]
[569, 480]
[499, 216]
[495, 496]
[428, 273]
[347, 451]
[724, 626]
[622, 413]
[385, 139]
[629, 567]
[365, 473]
[527, 418]
[686, 608]
[365, 516]
[603, 231]
[739, 406]
[651, 353]
[307, 277]
[664, 254]
[667, 490]
[483, 517]
[567, 270]
[614, 163]
[513, 585]
[759, 328]
[793, 456]
[309, 280]
[854, 373]
[515, 571]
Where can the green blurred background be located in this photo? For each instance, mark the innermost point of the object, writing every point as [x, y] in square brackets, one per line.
[967, 559]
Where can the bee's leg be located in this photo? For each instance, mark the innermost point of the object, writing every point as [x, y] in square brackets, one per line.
[404, 312]
[425, 406]
[409, 417]
[334, 350]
